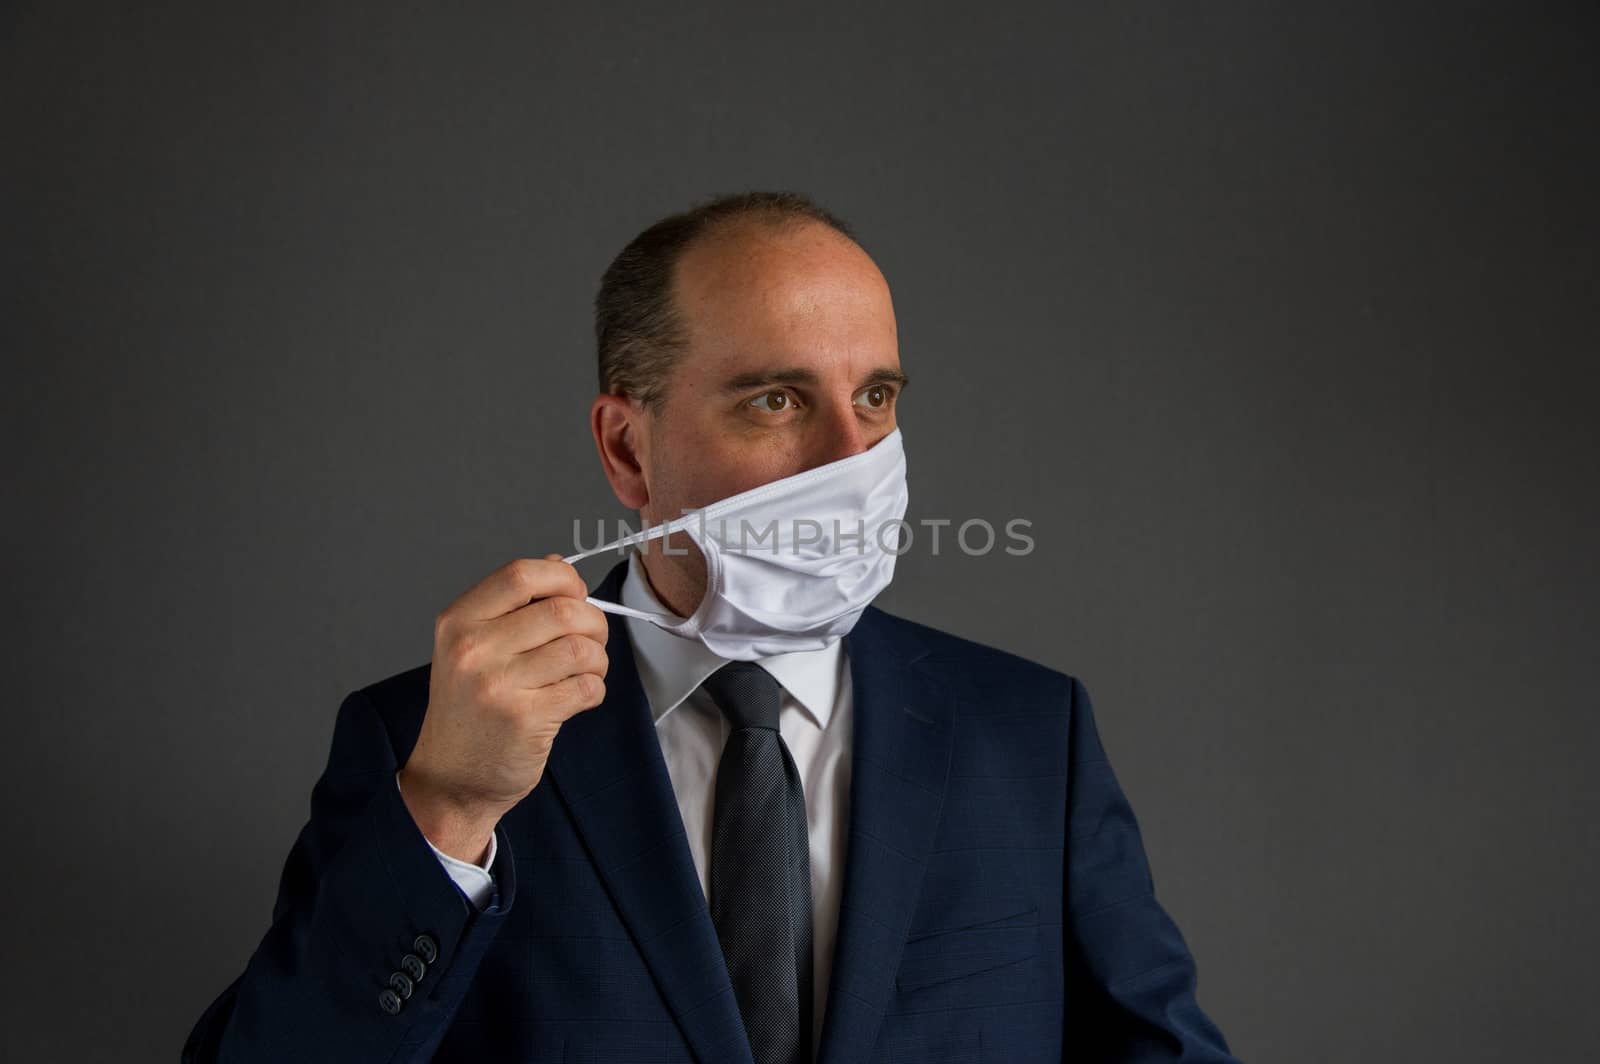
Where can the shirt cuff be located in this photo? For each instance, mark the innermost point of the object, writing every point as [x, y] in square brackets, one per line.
[473, 880]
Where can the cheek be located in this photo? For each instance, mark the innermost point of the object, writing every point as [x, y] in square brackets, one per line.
[683, 477]
[698, 465]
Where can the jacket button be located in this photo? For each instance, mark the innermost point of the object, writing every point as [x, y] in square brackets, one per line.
[401, 985]
[389, 1001]
[426, 948]
[412, 965]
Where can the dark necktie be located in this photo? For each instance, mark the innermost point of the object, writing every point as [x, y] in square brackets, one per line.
[761, 868]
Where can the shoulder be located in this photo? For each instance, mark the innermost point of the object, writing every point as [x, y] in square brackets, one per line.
[1006, 678]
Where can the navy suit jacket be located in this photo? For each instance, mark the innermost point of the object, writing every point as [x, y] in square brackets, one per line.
[997, 902]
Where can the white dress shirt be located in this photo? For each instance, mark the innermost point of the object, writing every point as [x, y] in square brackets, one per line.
[813, 719]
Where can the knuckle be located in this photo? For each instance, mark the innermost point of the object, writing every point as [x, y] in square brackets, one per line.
[466, 649]
[563, 610]
[541, 740]
[519, 572]
[572, 649]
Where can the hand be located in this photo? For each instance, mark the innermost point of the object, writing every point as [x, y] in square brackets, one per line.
[513, 659]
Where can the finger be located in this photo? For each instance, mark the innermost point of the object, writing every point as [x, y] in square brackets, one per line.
[539, 622]
[569, 697]
[555, 661]
[517, 583]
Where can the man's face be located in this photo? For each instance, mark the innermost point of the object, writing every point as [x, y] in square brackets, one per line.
[792, 361]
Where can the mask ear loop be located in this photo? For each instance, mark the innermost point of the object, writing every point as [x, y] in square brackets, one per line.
[635, 539]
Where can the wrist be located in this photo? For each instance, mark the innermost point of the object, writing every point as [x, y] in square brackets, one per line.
[456, 826]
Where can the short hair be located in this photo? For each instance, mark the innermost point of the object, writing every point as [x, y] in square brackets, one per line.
[637, 328]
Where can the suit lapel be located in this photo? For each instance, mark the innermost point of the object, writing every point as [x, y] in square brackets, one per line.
[608, 768]
[899, 763]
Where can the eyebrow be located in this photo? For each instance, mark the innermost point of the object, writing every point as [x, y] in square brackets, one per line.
[800, 375]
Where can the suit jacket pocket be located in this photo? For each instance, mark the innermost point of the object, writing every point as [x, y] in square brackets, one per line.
[1006, 934]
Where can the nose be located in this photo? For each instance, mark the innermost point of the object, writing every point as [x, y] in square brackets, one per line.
[837, 436]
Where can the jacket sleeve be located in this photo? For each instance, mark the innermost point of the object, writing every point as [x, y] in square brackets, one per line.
[361, 897]
[1130, 977]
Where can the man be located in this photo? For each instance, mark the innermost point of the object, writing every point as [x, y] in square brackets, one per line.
[713, 836]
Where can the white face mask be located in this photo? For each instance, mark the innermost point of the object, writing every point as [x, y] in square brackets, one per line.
[790, 564]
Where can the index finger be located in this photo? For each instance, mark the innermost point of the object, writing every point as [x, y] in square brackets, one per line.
[519, 582]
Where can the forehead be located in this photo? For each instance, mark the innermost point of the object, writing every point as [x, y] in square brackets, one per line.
[782, 291]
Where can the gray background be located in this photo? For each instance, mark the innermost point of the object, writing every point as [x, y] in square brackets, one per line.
[1277, 322]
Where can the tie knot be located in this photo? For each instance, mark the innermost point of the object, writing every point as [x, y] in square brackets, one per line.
[746, 693]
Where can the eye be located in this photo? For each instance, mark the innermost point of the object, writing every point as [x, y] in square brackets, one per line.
[773, 401]
[878, 396]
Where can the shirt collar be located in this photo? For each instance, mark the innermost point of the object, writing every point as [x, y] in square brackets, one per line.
[672, 667]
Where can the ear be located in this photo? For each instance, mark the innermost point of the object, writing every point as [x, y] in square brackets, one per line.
[618, 423]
